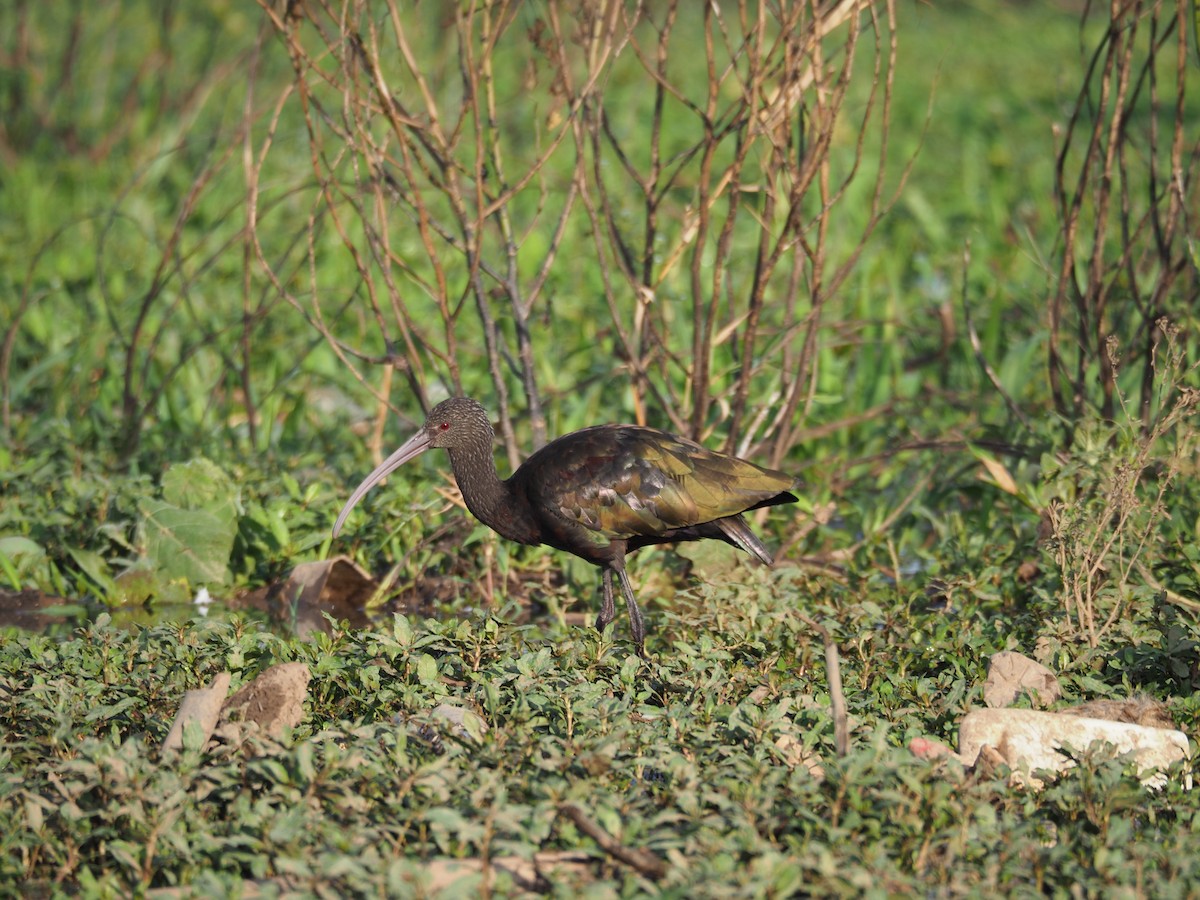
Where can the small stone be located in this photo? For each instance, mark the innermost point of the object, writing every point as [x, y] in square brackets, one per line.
[274, 701]
[1011, 674]
[927, 748]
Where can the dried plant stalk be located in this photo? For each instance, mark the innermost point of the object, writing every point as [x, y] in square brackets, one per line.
[700, 152]
[1103, 532]
[1127, 166]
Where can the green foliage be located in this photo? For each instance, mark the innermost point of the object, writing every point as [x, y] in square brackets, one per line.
[1110, 497]
[189, 533]
[123, 540]
[673, 756]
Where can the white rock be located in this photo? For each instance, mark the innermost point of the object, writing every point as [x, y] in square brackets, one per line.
[1029, 740]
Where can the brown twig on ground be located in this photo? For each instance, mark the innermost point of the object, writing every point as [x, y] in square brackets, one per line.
[643, 861]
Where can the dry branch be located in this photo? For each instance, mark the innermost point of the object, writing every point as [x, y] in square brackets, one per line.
[643, 861]
[455, 155]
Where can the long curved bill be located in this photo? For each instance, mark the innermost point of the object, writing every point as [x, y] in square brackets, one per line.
[414, 446]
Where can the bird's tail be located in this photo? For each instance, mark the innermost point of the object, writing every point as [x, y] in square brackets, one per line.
[740, 535]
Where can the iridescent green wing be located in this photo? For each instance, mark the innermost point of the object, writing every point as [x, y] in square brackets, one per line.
[621, 481]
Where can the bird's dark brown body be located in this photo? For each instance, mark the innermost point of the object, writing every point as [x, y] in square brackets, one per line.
[599, 493]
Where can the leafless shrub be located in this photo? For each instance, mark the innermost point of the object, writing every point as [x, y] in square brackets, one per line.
[703, 151]
[1125, 188]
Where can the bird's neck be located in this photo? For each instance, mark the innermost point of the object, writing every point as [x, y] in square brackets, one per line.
[489, 499]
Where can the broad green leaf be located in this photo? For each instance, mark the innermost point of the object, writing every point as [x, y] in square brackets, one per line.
[15, 546]
[191, 544]
[200, 484]
[94, 566]
[427, 669]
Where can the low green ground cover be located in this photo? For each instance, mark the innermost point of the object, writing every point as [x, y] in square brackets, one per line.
[694, 756]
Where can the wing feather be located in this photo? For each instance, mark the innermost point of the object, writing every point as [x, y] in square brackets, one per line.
[622, 481]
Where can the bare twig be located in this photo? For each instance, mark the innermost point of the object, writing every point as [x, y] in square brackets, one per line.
[642, 861]
[1124, 196]
[837, 696]
[453, 180]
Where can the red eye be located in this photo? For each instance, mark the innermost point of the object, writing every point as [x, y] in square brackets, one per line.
[445, 426]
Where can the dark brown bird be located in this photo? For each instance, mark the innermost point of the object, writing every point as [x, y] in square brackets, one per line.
[600, 493]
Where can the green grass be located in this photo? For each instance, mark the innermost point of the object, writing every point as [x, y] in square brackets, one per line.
[684, 755]
[673, 756]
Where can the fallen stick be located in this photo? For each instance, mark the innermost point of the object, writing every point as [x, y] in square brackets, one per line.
[642, 860]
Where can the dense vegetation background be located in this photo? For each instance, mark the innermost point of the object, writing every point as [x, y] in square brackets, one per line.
[939, 260]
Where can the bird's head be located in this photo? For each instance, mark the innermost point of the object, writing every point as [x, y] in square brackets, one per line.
[457, 422]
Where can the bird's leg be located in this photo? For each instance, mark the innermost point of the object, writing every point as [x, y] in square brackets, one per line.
[636, 625]
[608, 608]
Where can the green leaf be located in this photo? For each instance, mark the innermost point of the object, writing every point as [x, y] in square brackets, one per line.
[427, 669]
[200, 484]
[15, 546]
[630, 669]
[136, 585]
[191, 544]
[113, 709]
[17, 555]
[189, 534]
[94, 567]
